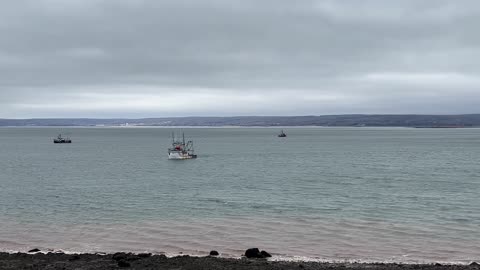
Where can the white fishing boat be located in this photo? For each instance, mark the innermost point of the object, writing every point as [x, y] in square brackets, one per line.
[181, 149]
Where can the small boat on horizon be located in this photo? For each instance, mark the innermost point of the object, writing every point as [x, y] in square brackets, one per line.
[60, 139]
[282, 134]
[181, 149]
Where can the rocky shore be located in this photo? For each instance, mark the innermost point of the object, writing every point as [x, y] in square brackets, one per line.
[149, 261]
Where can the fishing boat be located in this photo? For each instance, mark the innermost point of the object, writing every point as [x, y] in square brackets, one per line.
[181, 149]
[282, 134]
[60, 139]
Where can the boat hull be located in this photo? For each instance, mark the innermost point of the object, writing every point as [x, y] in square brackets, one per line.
[62, 141]
[180, 155]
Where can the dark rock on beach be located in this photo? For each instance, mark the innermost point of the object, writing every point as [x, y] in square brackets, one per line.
[265, 254]
[55, 261]
[129, 256]
[214, 253]
[123, 263]
[256, 253]
[144, 255]
[253, 253]
[133, 257]
[74, 258]
[119, 256]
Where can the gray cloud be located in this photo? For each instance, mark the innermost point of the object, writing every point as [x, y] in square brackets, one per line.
[126, 58]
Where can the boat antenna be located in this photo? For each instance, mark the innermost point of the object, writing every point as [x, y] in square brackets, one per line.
[173, 137]
[183, 135]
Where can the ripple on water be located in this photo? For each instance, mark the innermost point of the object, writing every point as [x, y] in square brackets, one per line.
[404, 195]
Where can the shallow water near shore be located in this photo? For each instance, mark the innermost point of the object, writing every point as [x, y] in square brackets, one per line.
[335, 194]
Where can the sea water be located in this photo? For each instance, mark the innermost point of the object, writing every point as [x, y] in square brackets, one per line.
[333, 194]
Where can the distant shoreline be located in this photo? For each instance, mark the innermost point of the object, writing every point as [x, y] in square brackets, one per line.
[220, 127]
[353, 120]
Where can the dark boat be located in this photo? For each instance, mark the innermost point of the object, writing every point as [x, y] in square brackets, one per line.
[60, 139]
[282, 134]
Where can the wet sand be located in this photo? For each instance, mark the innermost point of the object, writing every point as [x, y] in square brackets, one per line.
[146, 261]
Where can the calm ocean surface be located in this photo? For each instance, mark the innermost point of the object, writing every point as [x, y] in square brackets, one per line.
[368, 194]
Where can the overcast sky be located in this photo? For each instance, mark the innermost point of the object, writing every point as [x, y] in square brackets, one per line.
[141, 58]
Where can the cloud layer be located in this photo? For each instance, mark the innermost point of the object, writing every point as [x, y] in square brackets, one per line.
[135, 58]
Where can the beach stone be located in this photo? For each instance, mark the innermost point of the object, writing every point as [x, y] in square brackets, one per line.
[133, 257]
[253, 253]
[214, 253]
[265, 254]
[119, 256]
[144, 255]
[34, 250]
[74, 258]
[122, 263]
[475, 264]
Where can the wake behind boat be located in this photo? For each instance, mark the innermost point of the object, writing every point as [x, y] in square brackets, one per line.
[181, 149]
[60, 139]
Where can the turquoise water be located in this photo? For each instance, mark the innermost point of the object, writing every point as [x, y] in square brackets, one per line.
[369, 194]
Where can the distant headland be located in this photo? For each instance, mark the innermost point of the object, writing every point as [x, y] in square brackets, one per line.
[346, 120]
